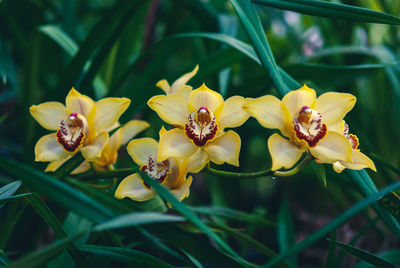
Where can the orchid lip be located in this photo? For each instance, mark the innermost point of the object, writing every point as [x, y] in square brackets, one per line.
[72, 132]
[156, 170]
[307, 126]
[201, 127]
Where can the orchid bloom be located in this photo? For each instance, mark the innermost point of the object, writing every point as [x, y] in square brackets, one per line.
[200, 120]
[82, 125]
[109, 154]
[359, 160]
[179, 86]
[308, 123]
[171, 171]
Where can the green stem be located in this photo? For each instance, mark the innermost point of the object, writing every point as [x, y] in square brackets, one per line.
[267, 172]
[294, 170]
[69, 166]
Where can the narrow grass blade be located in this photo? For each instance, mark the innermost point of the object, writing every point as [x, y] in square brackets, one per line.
[333, 224]
[286, 237]
[332, 10]
[232, 214]
[184, 210]
[136, 219]
[126, 255]
[9, 189]
[253, 28]
[40, 257]
[60, 192]
[250, 242]
[365, 256]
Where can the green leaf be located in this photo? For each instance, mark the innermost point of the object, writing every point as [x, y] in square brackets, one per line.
[331, 10]
[99, 34]
[286, 237]
[392, 256]
[336, 222]
[136, 219]
[391, 202]
[232, 214]
[242, 47]
[252, 25]
[184, 210]
[365, 256]
[367, 188]
[60, 37]
[60, 192]
[47, 215]
[9, 189]
[319, 170]
[43, 255]
[249, 241]
[126, 255]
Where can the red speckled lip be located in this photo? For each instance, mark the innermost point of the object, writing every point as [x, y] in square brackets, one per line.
[203, 128]
[156, 170]
[308, 126]
[310, 139]
[71, 134]
[68, 145]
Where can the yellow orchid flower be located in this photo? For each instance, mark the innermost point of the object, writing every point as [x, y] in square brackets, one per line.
[200, 120]
[171, 172]
[358, 159]
[179, 86]
[81, 125]
[308, 122]
[110, 151]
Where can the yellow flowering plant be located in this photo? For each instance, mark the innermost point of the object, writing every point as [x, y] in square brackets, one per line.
[171, 171]
[81, 125]
[358, 159]
[109, 154]
[200, 121]
[308, 124]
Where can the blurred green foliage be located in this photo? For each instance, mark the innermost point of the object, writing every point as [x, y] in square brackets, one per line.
[122, 48]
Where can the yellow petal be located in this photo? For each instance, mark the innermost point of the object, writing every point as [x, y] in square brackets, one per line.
[296, 99]
[205, 97]
[48, 149]
[107, 112]
[333, 147]
[164, 85]
[225, 148]
[78, 103]
[269, 113]
[183, 191]
[178, 85]
[338, 167]
[197, 161]
[185, 91]
[333, 106]
[284, 154]
[232, 114]
[360, 161]
[162, 131]
[141, 149]
[174, 143]
[93, 150]
[131, 129]
[133, 188]
[49, 114]
[110, 151]
[53, 166]
[172, 108]
[337, 127]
